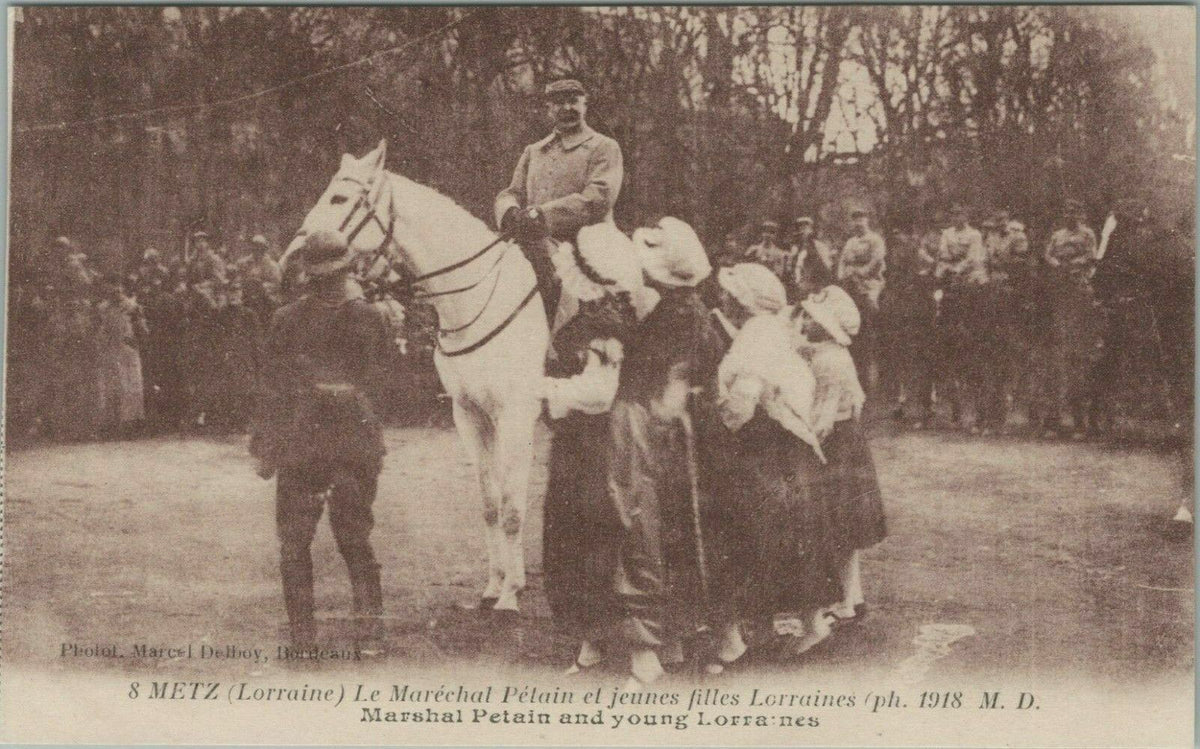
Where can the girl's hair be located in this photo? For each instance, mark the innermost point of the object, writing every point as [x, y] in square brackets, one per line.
[816, 332]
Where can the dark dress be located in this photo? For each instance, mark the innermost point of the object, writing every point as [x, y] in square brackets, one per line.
[849, 489]
[581, 528]
[660, 581]
[787, 537]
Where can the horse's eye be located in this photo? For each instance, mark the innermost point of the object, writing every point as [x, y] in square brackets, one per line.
[337, 199]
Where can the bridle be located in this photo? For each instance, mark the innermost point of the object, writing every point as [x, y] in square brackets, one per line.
[364, 203]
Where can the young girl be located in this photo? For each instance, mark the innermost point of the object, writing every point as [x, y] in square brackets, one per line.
[780, 561]
[827, 321]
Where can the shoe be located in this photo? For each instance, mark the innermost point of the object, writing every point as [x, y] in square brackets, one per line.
[841, 619]
[579, 668]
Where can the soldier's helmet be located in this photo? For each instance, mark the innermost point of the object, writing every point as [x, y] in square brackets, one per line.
[325, 253]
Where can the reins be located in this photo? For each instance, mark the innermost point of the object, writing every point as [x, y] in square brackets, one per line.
[363, 201]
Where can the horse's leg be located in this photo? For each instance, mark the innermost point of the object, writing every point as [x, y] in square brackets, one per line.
[479, 438]
[514, 459]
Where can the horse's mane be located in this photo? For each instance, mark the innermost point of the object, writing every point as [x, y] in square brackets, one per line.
[439, 211]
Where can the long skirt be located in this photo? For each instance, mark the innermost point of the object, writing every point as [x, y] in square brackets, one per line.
[849, 489]
[658, 577]
[581, 530]
[786, 540]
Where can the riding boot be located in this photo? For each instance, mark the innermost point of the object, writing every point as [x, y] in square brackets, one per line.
[298, 599]
[538, 254]
[368, 604]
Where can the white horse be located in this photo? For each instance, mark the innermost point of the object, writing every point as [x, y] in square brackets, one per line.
[492, 332]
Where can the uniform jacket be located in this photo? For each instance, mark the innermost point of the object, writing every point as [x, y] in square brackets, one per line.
[777, 259]
[574, 178]
[1007, 252]
[323, 370]
[861, 265]
[961, 256]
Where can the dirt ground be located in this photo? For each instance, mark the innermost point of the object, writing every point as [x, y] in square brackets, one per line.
[1049, 556]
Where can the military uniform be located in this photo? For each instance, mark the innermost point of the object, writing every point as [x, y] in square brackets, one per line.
[861, 266]
[572, 177]
[961, 270]
[1073, 325]
[777, 259]
[961, 256]
[318, 430]
[798, 276]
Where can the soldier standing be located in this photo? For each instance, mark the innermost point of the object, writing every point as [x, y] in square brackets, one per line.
[961, 270]
[860, 273]
[565, 181]
[318, 431]
[805, 243]
[1073, 330]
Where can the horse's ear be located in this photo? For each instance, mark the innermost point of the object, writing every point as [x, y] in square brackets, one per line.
[380, 155]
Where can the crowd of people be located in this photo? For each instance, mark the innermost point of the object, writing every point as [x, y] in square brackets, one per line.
[171, 344]
[978, 318]
[983, 318]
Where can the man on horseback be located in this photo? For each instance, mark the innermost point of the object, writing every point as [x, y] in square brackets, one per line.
[563, 182]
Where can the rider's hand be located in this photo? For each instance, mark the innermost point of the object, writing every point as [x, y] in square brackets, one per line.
[535, 224]
[511, 221]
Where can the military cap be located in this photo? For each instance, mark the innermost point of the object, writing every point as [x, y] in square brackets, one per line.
[259, 240]
[325, 253]
[201, 234]
[804, 221]
[769, 224]
[565, 86]
[856, 212]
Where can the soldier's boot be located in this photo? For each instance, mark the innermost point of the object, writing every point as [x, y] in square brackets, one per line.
[368, 607]
[298, 599]
[538, 252]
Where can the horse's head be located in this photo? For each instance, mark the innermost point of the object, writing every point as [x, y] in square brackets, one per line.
[350, 204]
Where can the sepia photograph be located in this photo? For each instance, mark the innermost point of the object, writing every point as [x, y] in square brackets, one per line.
[803, 375]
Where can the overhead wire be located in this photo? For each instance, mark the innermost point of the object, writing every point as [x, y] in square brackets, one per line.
[174, 108]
